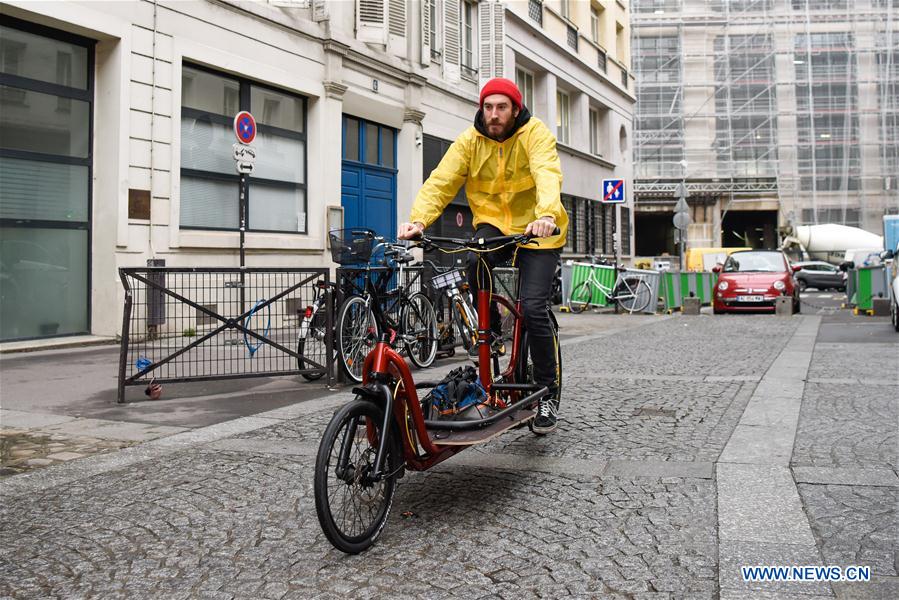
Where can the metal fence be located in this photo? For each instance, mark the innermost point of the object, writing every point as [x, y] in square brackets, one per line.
[195, 324]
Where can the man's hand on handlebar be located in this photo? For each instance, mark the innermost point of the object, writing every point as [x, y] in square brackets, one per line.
[410, 231]
[542, 227]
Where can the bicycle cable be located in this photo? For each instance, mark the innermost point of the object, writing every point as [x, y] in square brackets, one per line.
[246, 325]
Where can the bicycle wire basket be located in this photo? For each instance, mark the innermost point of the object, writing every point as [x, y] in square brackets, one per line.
[448, 280]
[351, 246]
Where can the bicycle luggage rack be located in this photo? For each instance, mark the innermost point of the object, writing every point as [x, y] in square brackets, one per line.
[202, 324]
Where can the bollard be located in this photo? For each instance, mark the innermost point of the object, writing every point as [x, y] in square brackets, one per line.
[691, 306]
[881, 307]
[783, 306]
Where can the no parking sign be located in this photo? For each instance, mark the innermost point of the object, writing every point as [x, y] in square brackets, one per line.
[245, 127]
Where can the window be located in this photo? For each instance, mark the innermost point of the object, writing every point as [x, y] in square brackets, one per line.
[535, 11]
[369, 143]
[594, 132]
[572, 37]
[625, 230]
[46, 169]
[601, 61]
[434, 30]
[563, 110]
[525, 81]
[468, 26]
[276, 192]
[594, 24]
[565, 8]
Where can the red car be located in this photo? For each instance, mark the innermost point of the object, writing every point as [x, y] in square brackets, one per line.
[752, 280]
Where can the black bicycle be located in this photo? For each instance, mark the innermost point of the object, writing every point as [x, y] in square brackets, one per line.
[411, 316]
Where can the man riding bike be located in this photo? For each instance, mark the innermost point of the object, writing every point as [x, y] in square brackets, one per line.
[513, 180]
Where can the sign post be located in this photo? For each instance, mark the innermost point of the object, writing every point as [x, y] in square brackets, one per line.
[613, 193]
[245, 160]
[681, 220]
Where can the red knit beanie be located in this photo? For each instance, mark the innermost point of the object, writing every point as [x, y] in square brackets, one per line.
[506, 87]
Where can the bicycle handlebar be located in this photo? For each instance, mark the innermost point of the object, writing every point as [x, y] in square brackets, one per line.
[478, 243]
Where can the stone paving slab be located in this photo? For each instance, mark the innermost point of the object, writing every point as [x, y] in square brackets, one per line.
[759, 503]
[766, 430]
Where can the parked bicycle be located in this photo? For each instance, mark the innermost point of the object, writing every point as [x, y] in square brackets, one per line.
[463, 317]
[312, 340]
[388, 428]
[629, 291]
[412, 318]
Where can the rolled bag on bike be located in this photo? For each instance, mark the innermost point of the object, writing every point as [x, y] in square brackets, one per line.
[508, 184]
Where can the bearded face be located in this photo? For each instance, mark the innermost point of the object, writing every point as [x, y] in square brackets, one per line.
[499, 116]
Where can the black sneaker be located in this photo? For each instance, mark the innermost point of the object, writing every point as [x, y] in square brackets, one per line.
[547, 415]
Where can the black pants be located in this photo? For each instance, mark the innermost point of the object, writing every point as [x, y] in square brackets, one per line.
[536, 269]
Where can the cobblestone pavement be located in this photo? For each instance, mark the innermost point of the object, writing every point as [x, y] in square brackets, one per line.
[618, 503]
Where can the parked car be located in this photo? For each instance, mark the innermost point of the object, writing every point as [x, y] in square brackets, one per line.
[752, 280]
[820, 275]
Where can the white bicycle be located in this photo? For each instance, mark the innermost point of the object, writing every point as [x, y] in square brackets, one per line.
[629, 291]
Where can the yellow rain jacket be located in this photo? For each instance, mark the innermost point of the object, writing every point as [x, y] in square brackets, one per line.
[508, 184]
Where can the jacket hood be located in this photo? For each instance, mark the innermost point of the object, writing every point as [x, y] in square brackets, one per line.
[524, 115]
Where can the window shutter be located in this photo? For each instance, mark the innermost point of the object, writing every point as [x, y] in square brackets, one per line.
[397, 21]
[426, 41]
[499, 35]
[485, 38]
[451, 51]
[492, 29]
[370, 22]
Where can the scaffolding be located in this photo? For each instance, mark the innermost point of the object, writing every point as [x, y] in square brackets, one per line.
[790, 104]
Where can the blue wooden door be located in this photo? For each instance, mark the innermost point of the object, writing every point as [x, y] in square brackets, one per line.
[369, 198]
[368, 176]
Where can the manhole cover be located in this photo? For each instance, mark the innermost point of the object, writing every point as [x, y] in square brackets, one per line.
[655, 412]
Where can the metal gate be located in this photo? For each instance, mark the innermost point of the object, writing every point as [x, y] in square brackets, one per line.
[196, 324]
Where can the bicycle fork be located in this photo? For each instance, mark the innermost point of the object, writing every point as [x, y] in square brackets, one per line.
[344, 470]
